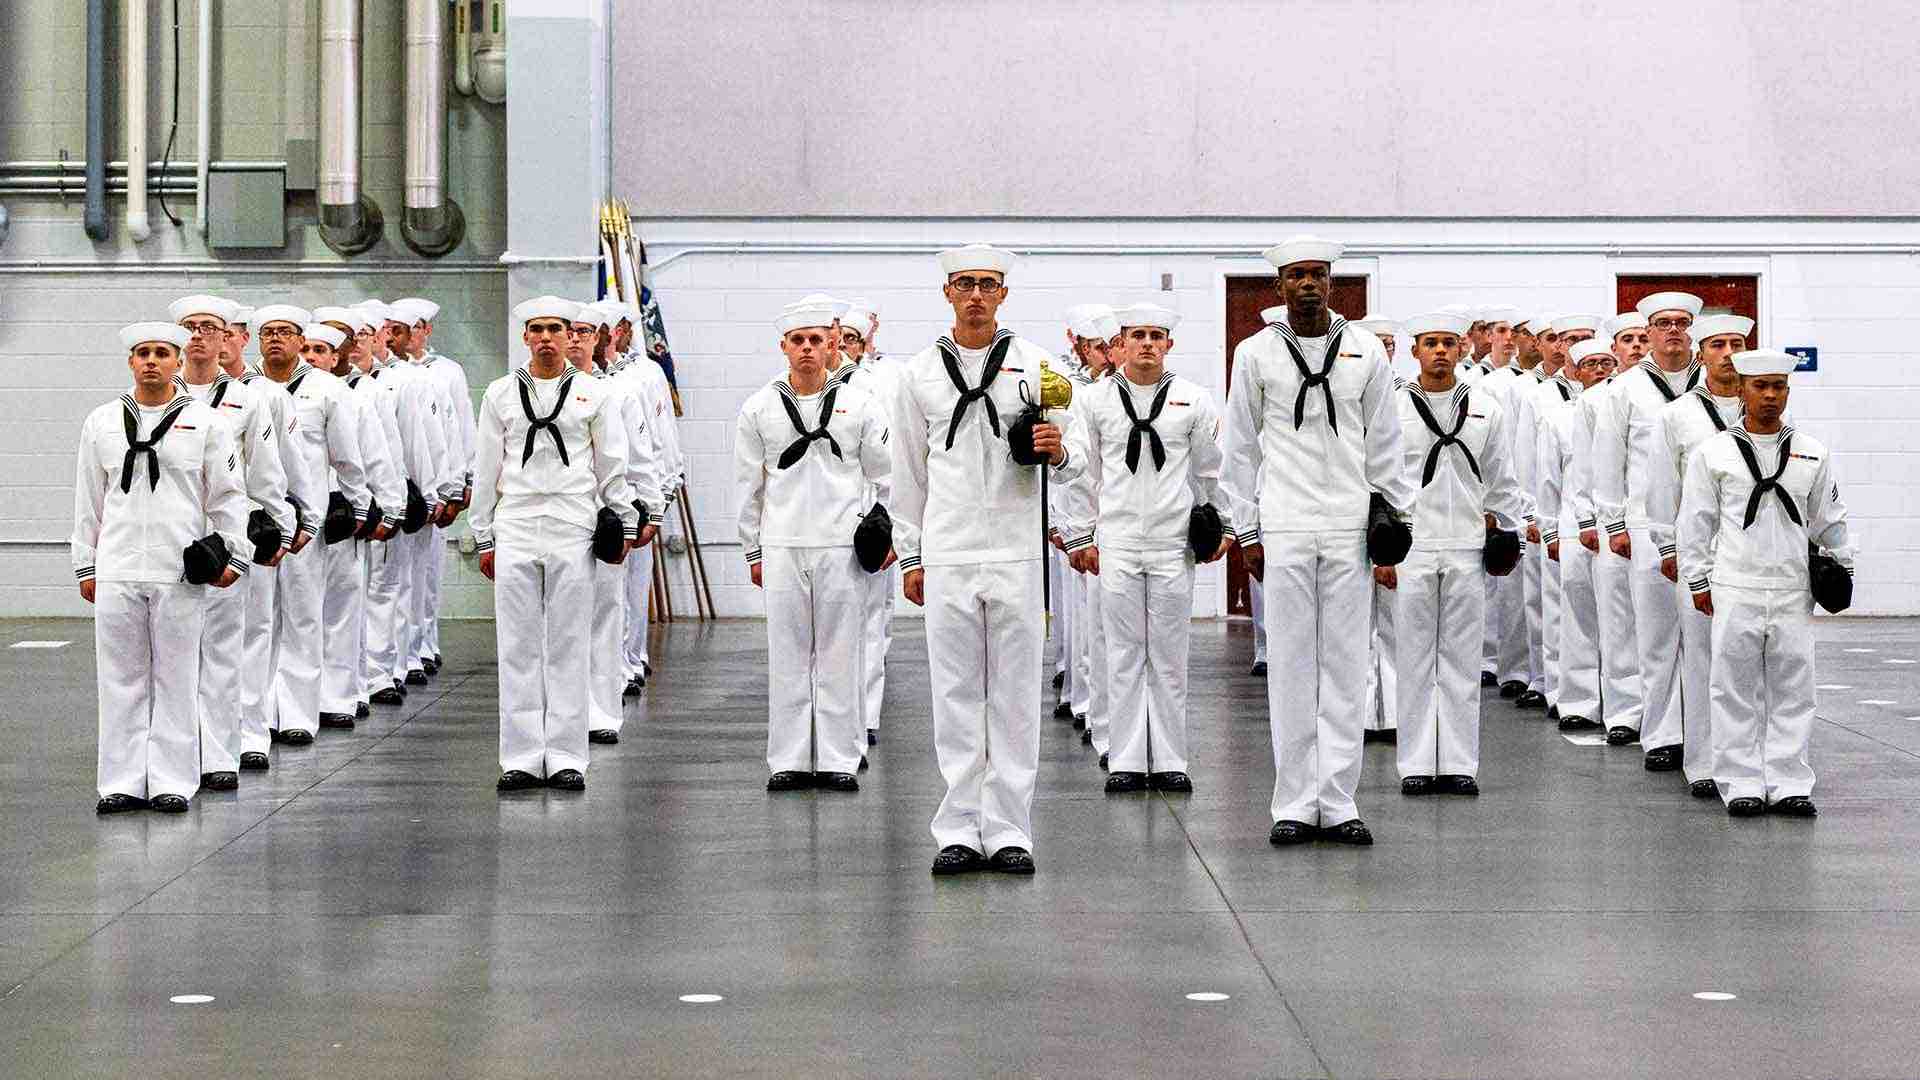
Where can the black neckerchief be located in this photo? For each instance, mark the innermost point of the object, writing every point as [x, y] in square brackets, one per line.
[1561, 385]
[1658, 377]
[534, 423]
[798, 448]
[1743, 441]
[996, 355]
[1712, 410]
[299, 375]
[1309, 380]
[1442, 439]
[220, 383]
[130, 422]
[1144, 427]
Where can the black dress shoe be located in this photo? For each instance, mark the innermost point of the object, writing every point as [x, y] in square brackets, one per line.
[1086, 736]
[1079, 721]
[1416, 785]
[1532, 699]
[1288, 833]
[1745, 807]
[361, 710]
[1512, 688]
[789, 780]
[430, 666]
[400, 688]
[1122, 782]
[863, 763]
[388, 696]
[169, 804]
[1170, 781]
[220, 781]
[417, 677]
[1353, 833]
[646, 672]
[254, 760]
[1794, 806]
[1258, 670]
[1577, 722]
[1456, 785]
[632, 689]
[336, 720]
[119, 804]
[1553, 712]
[873, 736]
[958, 859]
[1103, 763]
[517, 780]
[294, 737]
[1380, 735]
[437, 662]
[1012, 860]
[1059, 679]
[603, 735]
[1063, 711]
[836, 781]
[1621, 735]
[1663, 759]
[1488, 678]
[1701, 789]
[568, 780]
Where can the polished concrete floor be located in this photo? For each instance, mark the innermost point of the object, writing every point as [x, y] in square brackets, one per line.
[370, 908]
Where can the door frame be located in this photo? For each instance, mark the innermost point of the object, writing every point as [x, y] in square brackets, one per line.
[1758, 267]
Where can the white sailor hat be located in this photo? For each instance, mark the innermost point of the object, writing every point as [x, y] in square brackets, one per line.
[1468, 311]
[856, 318]
[817, 310]
[1498, 313]
[617, 311]
[976, 257]
[417, 309]
[1715, 325]
[218, 307]
[320, 331]
[1437, 322]
[379, 311]
[1765, 362]
[1621, 323]
[353, 317]
[1670, 301]
[1378, 327]
[592, 314]
[242, 316]
[1564, 323]
[1540, 322]
[1593, 346]
[1303, 249]
[1092, 322]
[864, 304]
[554, 307]
[286, 313]
[134, 335]
[1146, 315]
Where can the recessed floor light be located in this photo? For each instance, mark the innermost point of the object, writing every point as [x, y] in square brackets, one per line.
[191, 999]
[39, 645]
[1715, 995]
[1902, 661]
[1863, 650]
[1208, 995]
[1833, 686]
[1877, 701]
[701, 999]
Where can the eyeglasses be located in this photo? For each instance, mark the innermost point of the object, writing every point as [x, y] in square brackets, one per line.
[203, 326]
[1672, 322]
[987, 286]
[582, 331]
[278, 331]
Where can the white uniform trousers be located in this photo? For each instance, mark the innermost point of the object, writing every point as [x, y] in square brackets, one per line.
[542, 583]
[389, 589]
[1257, 611]
[1762, 693]
[1551, 612]
[146, 641]
[1533, 608]
[1057, 657]
[297, 645]
[1579, 645]
[1318, 587]
[259, 620]
[1146, 602]
[1065, 609]
[815, 658]
[639, 567]
[876, 639]
[1081, 587]
[1490, 633]
[1508, 616]
[1099, 666]
[1438, 602]
[1696, 679]
[420, 612]
[1656, 630]
[342, 617]
[1383, 680]
[606, 659]
[222, 655]
[984, 626]
[437, 573]
[1619, 648]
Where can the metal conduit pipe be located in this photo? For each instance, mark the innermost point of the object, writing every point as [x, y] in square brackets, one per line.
[431, 222]
[133, 83]
[350, 222]
[94, 220]
[203, 113]
[4, 222]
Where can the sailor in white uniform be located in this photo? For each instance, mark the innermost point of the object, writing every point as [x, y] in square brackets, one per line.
[1455, 446]
[1156, 438]
[1319, 497]
[157, 490]
[1094, 336]
[1760, 508]
[458, 430]
[811, 458]
[1620, 695]
[1696, 416]
[656, 398]
[969, 443]
[1383, 694]
[1566, 512]
[1622, 445]
[550, 470]
[1513, 651]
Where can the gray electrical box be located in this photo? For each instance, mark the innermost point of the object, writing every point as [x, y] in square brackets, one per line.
[247, 209]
